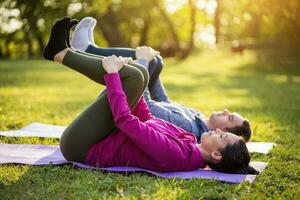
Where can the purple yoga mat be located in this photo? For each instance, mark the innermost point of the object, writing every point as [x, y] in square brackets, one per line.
[46, 154]
[37, 129]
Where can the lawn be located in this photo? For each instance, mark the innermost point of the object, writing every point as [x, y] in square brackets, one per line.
[263, 87]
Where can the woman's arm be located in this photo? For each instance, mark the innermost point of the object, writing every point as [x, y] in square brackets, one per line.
[154, 144]
[142, 111]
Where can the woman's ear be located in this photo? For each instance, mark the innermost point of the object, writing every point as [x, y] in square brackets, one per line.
[216, 155]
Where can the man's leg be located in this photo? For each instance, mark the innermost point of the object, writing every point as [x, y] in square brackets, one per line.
[157, 89]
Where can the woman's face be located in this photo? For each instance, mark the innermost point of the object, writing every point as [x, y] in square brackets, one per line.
[213, 141]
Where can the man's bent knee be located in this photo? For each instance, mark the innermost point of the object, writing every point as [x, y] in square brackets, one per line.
[159, 62]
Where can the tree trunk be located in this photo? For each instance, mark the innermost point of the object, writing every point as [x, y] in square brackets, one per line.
[109, 27]
[40, 41]
[29, 44]
[296, 21]
[218, 21]
[144, 33]
[7, 53]
[256, 21]
[1, 52]
[169, 23]
[190, 46]
[37, 34]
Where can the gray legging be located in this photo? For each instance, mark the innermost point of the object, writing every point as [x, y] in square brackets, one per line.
[96, 121]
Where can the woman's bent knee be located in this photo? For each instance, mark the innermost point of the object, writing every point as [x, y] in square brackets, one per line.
[137, 77]
[145, 73]
[70, 150]
[66, 150]
[138, 80]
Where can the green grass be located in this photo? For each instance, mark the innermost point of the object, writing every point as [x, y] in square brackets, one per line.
[264, 89]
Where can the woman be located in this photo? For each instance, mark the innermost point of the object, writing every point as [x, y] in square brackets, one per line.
[108, 133]
[156, 97]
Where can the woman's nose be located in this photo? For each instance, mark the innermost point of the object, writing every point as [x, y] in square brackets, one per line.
[218, 131]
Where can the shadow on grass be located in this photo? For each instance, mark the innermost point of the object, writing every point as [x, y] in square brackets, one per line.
[274, 83]
[15, 72]
[277, 88]
[69, 182]
[281, 62]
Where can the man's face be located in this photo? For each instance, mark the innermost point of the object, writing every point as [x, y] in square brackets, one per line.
[225, 119]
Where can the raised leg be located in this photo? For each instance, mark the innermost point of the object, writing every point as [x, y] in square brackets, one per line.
[96, 121]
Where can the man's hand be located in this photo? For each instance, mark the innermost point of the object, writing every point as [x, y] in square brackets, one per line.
[145, 53]
[112, 64]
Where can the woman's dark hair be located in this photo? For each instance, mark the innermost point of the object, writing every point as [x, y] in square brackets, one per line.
[244, 130]
[235, 159]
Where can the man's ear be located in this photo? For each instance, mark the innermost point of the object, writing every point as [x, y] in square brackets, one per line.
[216, 155]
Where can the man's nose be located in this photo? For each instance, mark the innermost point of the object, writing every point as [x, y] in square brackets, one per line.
[226, 111]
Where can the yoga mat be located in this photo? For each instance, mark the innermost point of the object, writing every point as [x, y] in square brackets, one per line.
[37, 129]
[46, 154]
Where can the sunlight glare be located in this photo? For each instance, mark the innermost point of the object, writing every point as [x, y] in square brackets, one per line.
[206, 34]
[174, 5]
[12, 24]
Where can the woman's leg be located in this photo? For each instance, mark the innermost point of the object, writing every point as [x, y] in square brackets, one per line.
[96, 122]
[144, 71]
[94, 70]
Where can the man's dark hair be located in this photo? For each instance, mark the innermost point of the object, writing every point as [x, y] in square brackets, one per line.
[244, 130]
[235, 159]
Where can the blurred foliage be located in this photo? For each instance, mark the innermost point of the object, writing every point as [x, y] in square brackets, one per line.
[26, 24]
[262, 20]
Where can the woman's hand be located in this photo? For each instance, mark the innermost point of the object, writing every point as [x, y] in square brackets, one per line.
[113, 64]
[146, 53]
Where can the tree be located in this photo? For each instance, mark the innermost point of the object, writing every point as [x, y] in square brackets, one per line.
[217, 19]
[190, 46]
[110, 29]
[169, 23]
